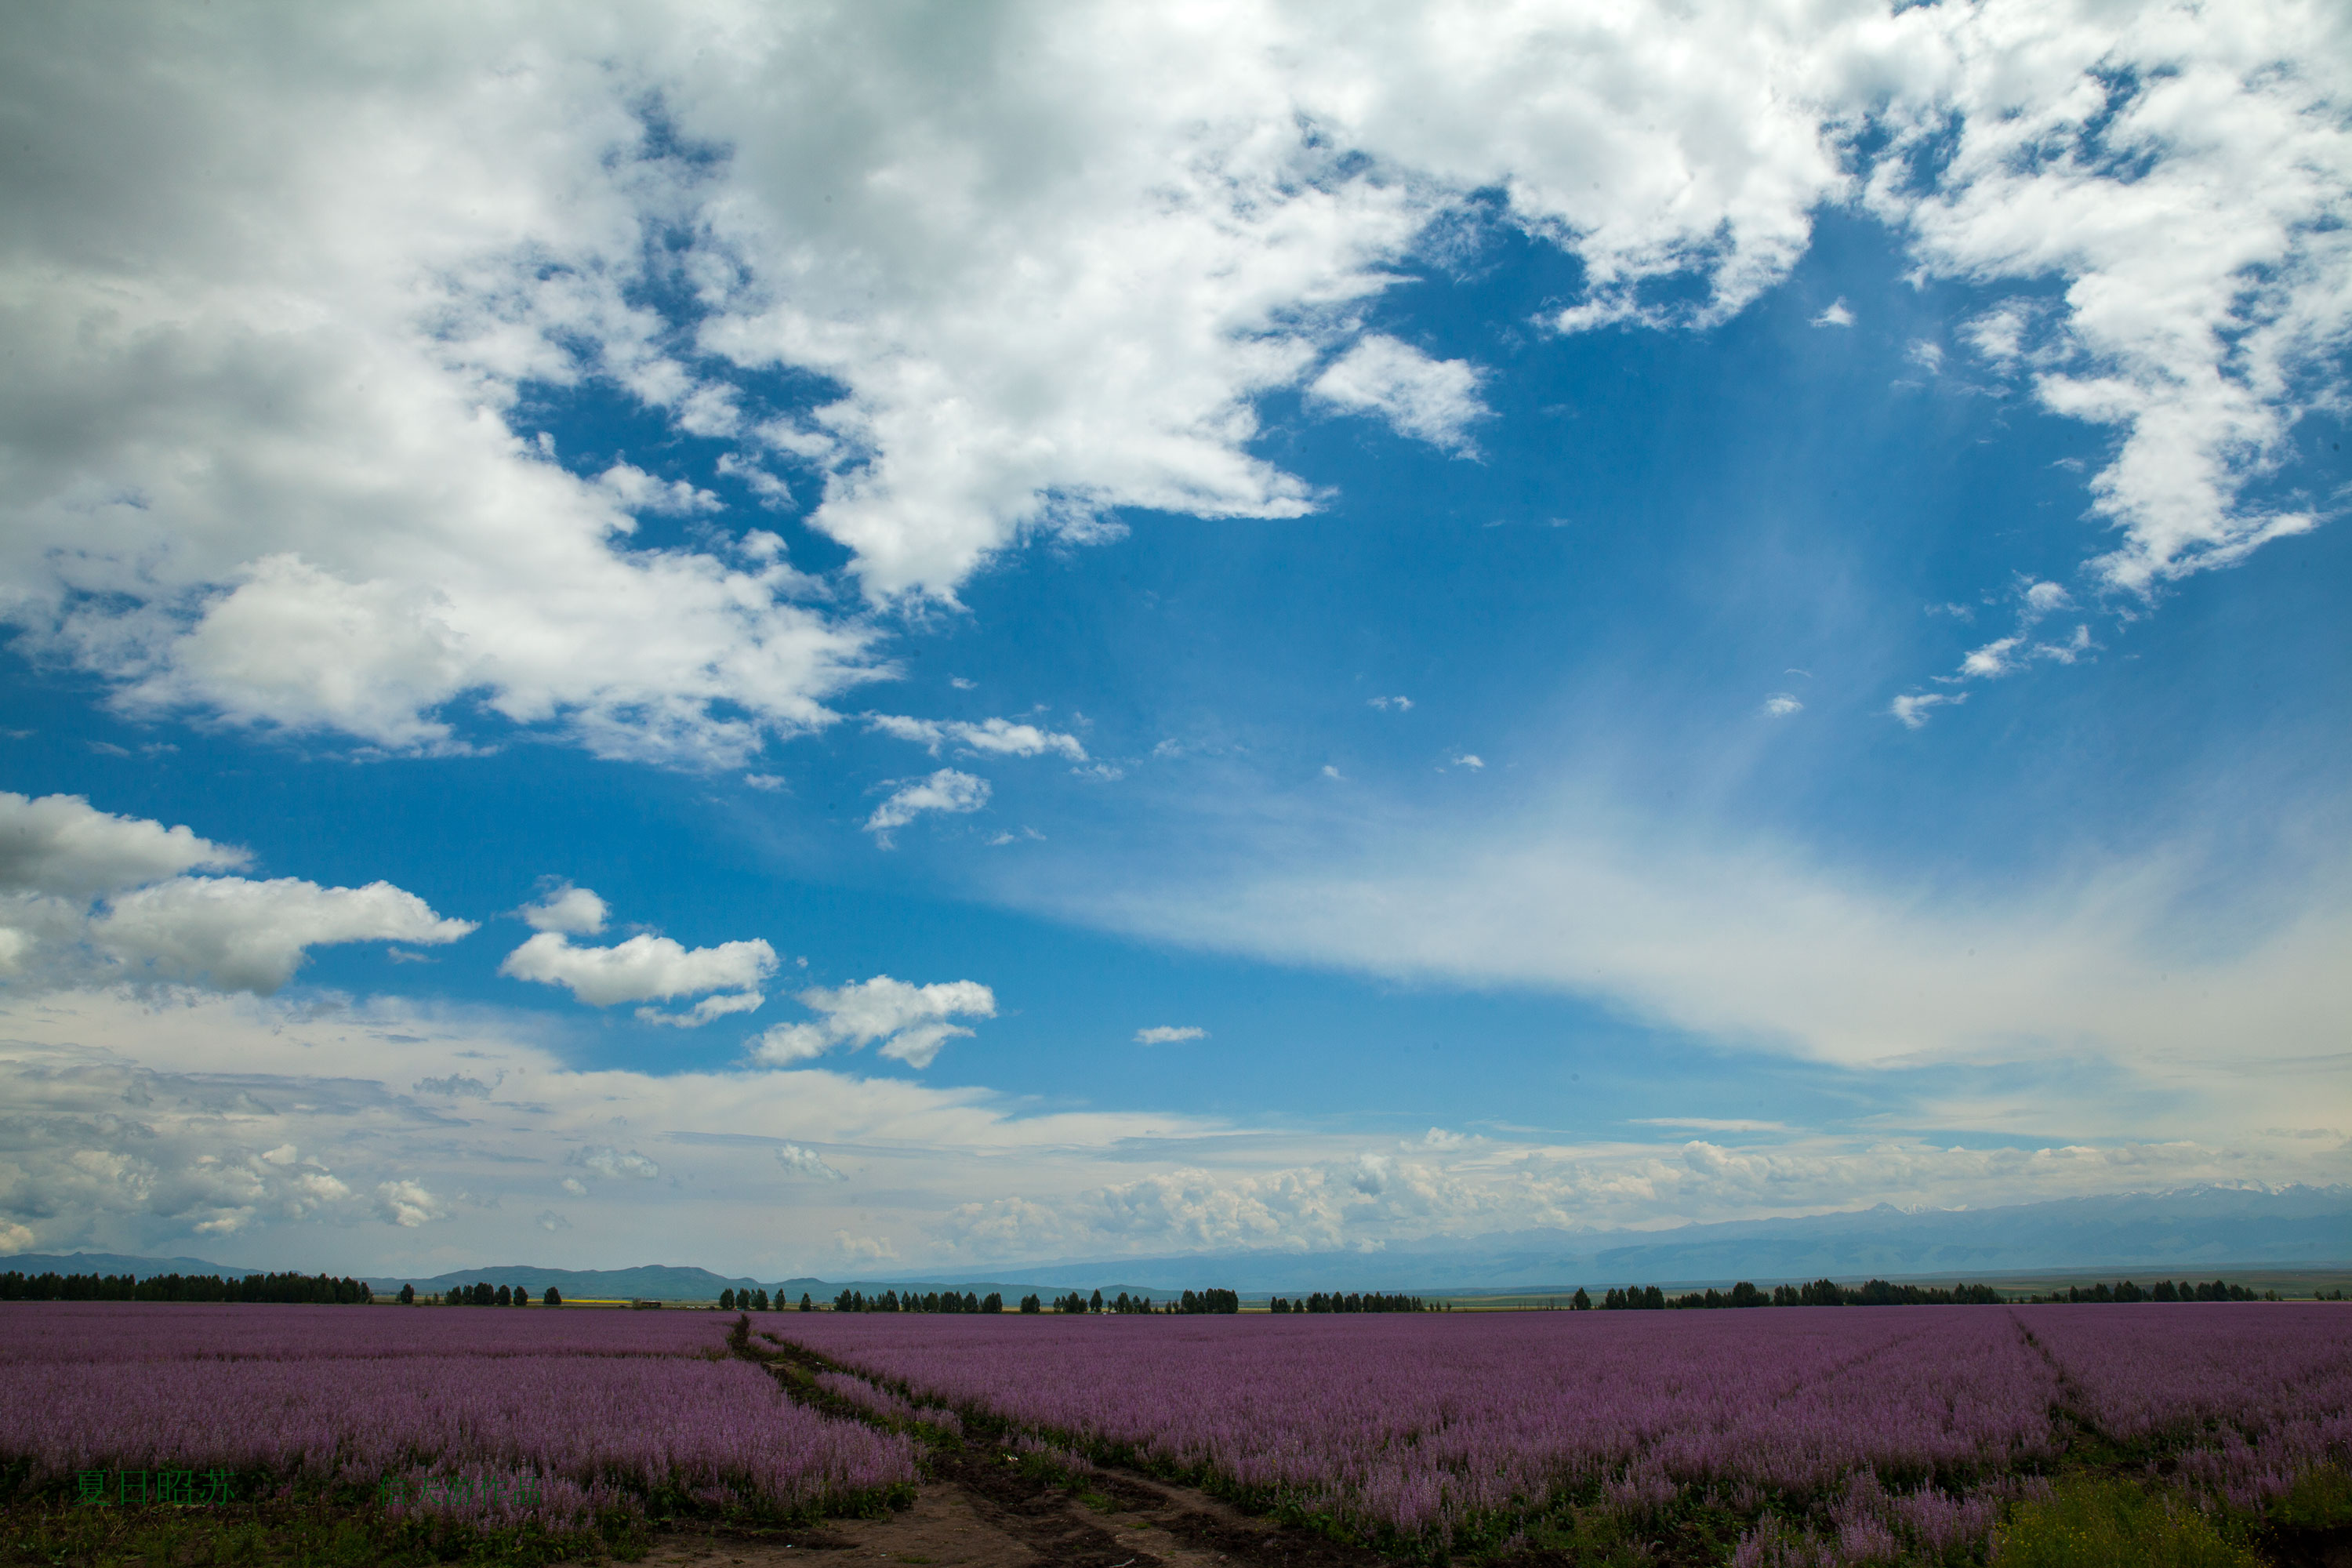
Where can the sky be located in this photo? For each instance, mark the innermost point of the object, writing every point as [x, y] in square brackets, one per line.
[838, 639]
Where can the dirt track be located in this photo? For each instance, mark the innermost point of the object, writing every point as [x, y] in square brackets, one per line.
[979, 1511]
[979, 1507]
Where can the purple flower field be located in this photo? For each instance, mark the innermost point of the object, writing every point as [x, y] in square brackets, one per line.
[603, 1409]
[1882, 1430]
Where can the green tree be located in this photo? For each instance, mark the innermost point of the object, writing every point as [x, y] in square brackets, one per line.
[553, 1296]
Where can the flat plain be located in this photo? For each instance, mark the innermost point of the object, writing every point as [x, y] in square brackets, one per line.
[1781, 1436]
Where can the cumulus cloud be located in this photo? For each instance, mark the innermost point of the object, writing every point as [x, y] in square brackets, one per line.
[154, 924]
[946, 791]
[1782, 704]
[1835, 314]
[61, 845]
[806, 1164]
[1169, 1034]
[564, 908]
[644, 968]
[992, 737]
[911, 1021]
[1430, 400]
[293, 484]
[243, 935]
[408, 1205]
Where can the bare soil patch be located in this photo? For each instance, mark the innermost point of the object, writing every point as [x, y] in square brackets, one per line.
[980, 1511]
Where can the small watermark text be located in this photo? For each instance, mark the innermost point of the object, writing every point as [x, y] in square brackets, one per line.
[458, 1492]
[109, 1489]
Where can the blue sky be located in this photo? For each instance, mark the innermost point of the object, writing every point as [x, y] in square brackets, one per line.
[828, 640]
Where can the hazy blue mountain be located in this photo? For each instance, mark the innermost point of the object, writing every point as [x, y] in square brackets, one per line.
[2204, 1227]
[675, 1283]
[2189, 1232]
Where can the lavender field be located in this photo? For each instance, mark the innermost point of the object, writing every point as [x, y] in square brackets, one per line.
[593, 1413]
[1837, 1435]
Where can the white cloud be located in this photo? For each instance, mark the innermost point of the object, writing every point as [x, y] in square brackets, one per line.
[242, 935]
[709, 1010]
[1996, 657]
[2180, 177]
[1167, 1034]
[1911, 710]
[617, 1164]
[945, 791]
[1763, 946]
[644, 968]
[2019, 651]
[61, 846]
[911, 1021]
[406, 1204]
[1836, 314]
[1470, 759]
[1781, 704]
[126, 1137]
[2042, 598]
[566, 907]
[866, 1249]
[1430, 400]
[994, 737]
[806, 1164]
[289, 484]
[1401, 704]
[550, 1222]
[636, 490]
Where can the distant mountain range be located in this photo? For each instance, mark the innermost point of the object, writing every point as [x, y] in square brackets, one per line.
[2198, 1227]
[2199, 1230]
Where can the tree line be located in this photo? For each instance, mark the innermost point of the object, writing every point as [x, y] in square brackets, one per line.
[1190, 1303]
[1881, 1293]
[482, 1294]
[891, 1301]
[1820, 1293]
[301, 1289]
[2162, 1291]
[1370, 1301]
[757, 1302]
